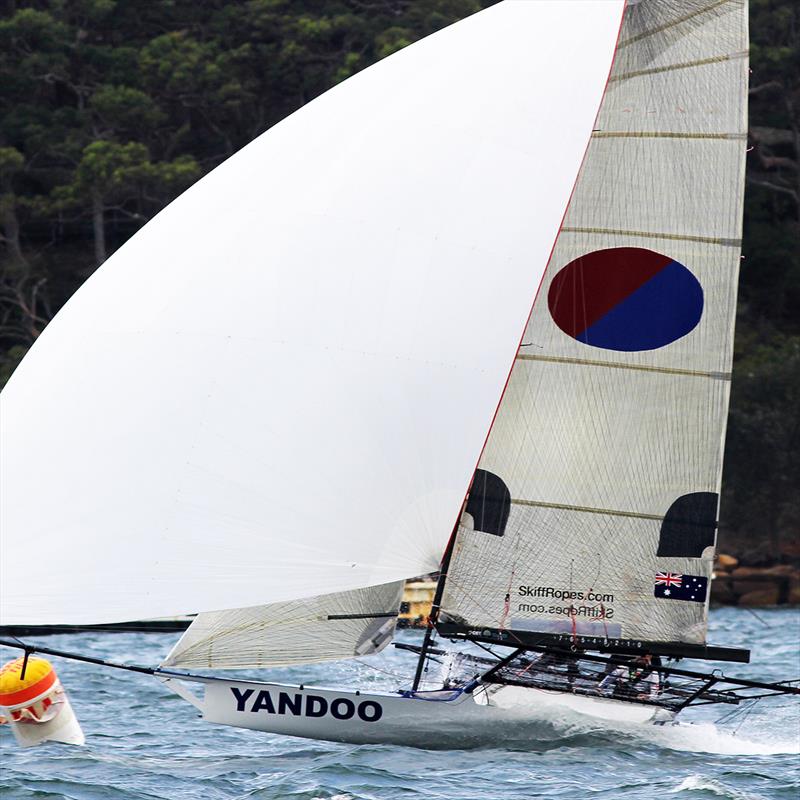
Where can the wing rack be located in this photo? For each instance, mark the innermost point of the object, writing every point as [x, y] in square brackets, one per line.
[550, 669]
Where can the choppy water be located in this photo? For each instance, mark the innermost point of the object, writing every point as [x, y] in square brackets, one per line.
[145, 742]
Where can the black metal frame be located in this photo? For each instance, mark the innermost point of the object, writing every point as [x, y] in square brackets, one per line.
[702, 695]
[532, 640]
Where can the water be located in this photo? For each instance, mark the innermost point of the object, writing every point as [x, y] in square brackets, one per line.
[145, 742]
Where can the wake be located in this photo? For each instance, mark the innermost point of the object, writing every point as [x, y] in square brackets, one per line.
[573, 730]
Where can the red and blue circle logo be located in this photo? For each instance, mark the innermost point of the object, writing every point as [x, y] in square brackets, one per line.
[625, 298]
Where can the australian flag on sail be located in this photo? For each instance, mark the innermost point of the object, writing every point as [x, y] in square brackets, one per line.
[675, 586]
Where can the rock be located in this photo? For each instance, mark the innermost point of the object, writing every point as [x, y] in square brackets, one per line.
[747, 572]
[720, 573]
[727, 562]
[790, 547]
[767, 596]
[748, 587]
[794, 595]
[780, 569]
[722, 593]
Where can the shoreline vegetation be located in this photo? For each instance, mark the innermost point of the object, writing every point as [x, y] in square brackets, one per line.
[111, 108]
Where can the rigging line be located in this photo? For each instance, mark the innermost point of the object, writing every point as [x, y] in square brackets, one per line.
[666, 26]
[700, 62]
[507, 599]
[730, 715]
[758, 617]
[748, 709]
[679, 237]
[599, 568]
[587, 362]
[463, 590]
[488, 650]
[49, 651]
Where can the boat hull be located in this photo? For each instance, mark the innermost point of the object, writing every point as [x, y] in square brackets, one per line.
[491, 716]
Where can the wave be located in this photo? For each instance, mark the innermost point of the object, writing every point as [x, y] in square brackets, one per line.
[569, 729]
[705, 737]
[708, 786]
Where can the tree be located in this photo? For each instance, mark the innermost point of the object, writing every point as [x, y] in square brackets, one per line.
[113, 176]
[761, 509]
[775, 96]
[23, 317]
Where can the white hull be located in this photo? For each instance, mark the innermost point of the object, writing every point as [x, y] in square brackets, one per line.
[432, 720]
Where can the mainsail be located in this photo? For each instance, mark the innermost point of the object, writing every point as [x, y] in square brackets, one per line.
[280, 386]
[594, 510]
[334, 626]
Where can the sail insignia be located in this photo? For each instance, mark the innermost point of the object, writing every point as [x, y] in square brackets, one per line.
[489, 503]
[689, 525]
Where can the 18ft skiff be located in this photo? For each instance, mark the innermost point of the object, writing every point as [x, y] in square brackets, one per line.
[290, 445]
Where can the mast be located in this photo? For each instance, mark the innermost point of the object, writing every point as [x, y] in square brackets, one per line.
[435, 606]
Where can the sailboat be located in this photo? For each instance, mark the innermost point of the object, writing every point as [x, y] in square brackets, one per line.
[269, 405]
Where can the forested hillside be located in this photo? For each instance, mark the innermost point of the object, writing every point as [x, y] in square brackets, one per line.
[110, 108]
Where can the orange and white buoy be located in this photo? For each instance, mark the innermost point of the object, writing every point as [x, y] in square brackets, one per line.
[33, 702]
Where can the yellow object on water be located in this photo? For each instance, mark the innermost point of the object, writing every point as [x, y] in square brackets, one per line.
[14, 689]
[36, 705]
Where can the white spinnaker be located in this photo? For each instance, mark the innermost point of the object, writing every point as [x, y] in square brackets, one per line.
[326, 628]
[595, 444]
[281, 385]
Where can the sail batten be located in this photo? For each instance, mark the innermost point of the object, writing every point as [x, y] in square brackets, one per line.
[609, 438]
[722, 376]
[678, 237]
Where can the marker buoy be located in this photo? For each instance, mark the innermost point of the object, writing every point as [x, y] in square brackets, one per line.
[33, 702]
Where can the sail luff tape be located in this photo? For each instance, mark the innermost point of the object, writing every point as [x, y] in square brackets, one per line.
[15, 691]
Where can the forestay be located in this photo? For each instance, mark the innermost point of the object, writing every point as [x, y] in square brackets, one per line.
[597, 500]
[333, 626]
[280, 387]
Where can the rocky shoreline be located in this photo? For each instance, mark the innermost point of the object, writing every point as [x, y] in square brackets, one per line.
[737, 585]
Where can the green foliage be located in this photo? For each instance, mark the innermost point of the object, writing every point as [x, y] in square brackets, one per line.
[124, 109]
[763, 449]
[116, 172]
[11, 161]
[760, 510]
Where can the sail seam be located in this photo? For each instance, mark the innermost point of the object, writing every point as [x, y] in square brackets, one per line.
[701, 62]
[722, 376]
[725, 242]
[672, 24]
[586, 509]
[666, 135]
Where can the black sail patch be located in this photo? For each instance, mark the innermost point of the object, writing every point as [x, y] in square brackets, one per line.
[689, 526]
[489, 503]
